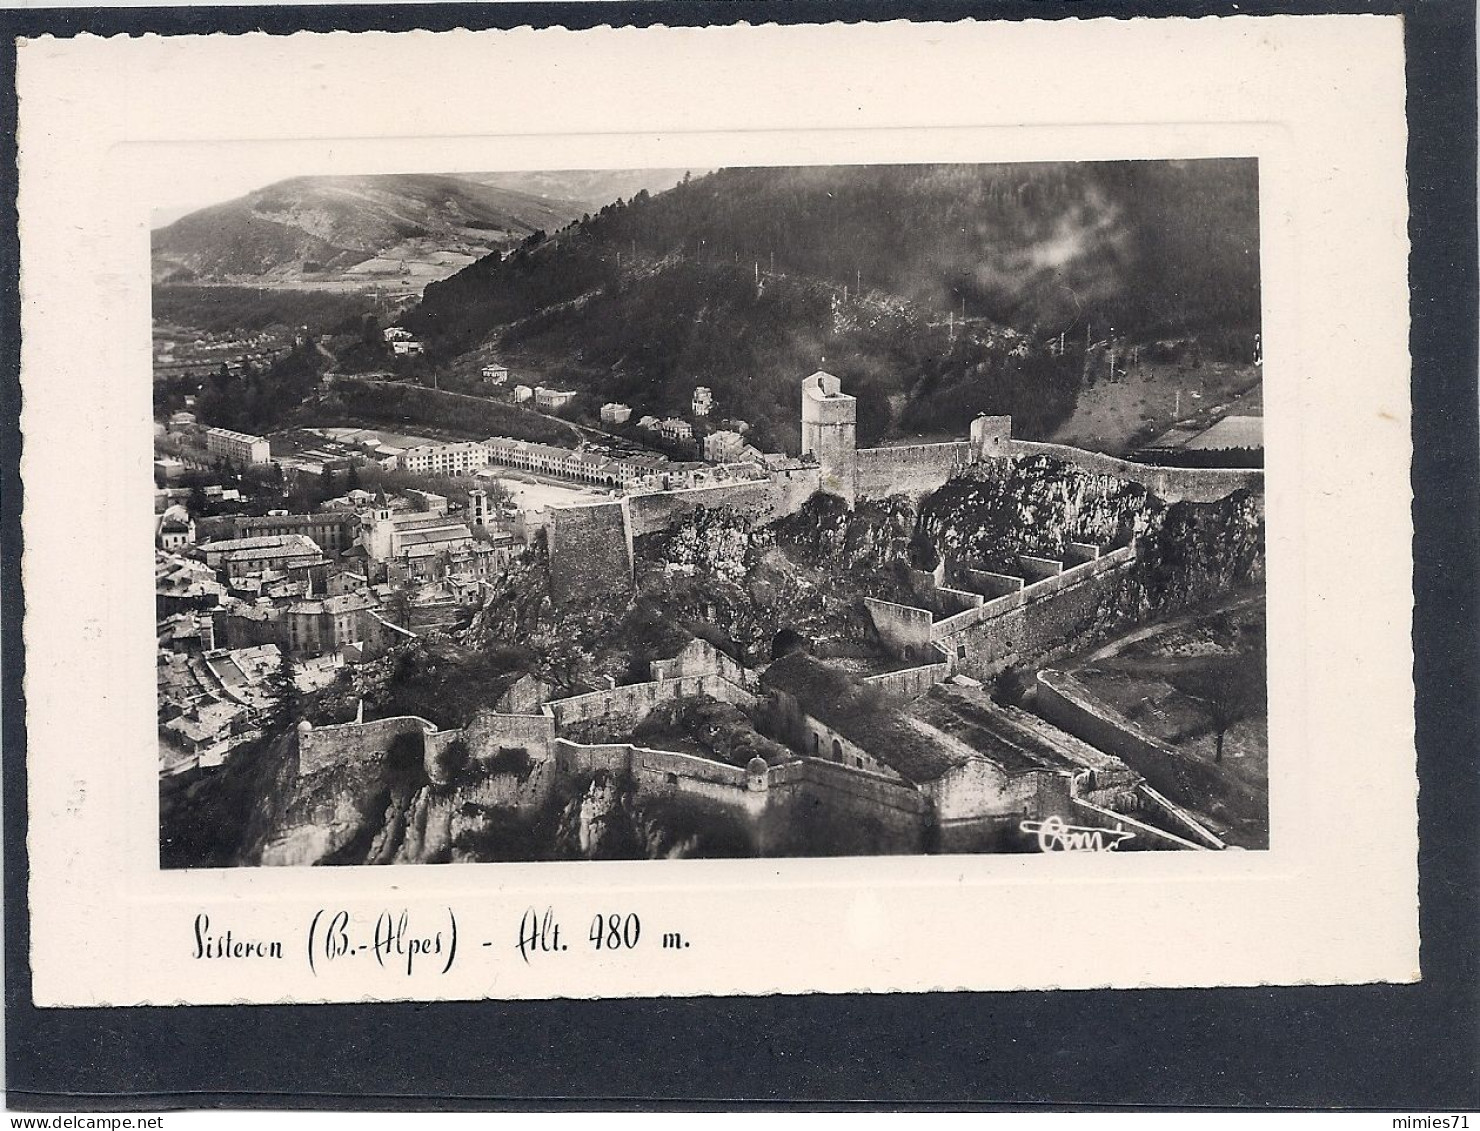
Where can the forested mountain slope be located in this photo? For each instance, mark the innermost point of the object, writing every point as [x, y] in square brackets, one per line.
[745, 279]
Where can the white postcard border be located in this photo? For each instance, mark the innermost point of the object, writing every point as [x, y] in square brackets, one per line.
[105, 124]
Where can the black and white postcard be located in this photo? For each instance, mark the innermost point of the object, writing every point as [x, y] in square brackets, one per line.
[680, 511]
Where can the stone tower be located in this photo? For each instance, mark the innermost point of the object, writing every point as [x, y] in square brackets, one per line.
[829, 425]
[990, 437]
[478, 513]
[590, 552]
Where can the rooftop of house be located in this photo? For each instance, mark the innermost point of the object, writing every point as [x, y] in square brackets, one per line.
[304, 549]
[258, 542]
[406, 522]
[434, 536]
[344, 603]
[252, 612]
[248, 522]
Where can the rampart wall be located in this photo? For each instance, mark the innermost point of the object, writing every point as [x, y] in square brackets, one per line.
[659, 772]
[354, 742]
[754, 498]
[1187, 781]
[855, 811]
[910, 683]
[989, 584]
[1040, 621]
[856, 785]
[1085, 814]
[1037, 569]
[913, 469]
[1190, 827]
[490, 733]
[622, 708]
[979, 789]
[904, 628]
[1172, 484]
[699, 657]
[759, 500]
[590, 548]
[1023, 623]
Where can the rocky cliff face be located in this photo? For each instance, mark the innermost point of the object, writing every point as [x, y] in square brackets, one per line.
[1186, 552]
[362, 814]
[807, 573]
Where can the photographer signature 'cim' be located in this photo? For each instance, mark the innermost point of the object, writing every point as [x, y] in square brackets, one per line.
[1055, 835]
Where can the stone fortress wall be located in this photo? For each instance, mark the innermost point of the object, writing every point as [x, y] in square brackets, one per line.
[1170, 484]
[320, 747]
[852, 789]
[622, 708]
[750, 793]
[979, 624]
[1009, 620]
[595, 548]
[1063, 701]
[590, 550]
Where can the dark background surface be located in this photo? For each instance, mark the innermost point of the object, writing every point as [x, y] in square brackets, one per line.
[1387, 1047]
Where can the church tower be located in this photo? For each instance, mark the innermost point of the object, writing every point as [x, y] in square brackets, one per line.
[829, 427]
[478, 514]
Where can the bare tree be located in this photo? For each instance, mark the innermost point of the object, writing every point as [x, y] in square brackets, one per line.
[1230, 689]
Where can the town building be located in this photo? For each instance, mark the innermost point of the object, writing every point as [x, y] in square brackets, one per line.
[167, 469]
[674, 429]
[175, 529]
[703, 401]
[426, 502]
[551, 399]
[582, 465]
[180, 584]
[334, 531]
[615, 413]
[648, 423]
[724, 446]
[212, 701]
[462, 458]
[206, 733]
[238, 447]
[523, 393]
[484, 558]
[494, 374]
[387, 535]
[411, 348]
[397, 334]
[326, 624]
[243, 624]
[239, 556]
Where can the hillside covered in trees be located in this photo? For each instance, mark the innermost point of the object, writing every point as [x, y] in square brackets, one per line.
[935, 292]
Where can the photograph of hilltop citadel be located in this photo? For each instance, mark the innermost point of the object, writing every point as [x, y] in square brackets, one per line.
[741, 512]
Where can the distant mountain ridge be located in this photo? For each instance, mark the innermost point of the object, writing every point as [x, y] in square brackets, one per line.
[592, 188]
[934, 291]
[349, 226]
